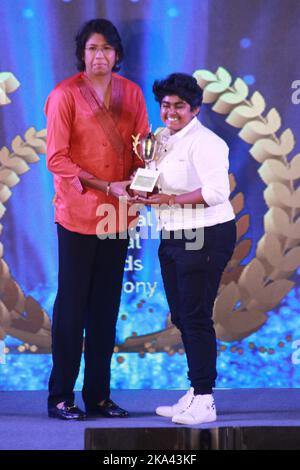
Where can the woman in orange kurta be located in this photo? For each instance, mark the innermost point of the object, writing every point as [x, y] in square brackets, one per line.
[91, 117]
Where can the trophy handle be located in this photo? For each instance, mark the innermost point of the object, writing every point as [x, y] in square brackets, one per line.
[136, 142]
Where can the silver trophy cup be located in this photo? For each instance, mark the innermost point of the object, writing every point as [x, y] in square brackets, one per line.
[146, 148]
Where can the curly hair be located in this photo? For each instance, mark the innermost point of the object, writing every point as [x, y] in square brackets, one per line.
[108, 30]
[181, 84]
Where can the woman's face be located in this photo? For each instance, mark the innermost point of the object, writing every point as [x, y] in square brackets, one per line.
[176, 113]
[99, 56]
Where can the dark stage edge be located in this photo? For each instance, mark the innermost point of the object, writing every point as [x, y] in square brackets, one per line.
[247, 418]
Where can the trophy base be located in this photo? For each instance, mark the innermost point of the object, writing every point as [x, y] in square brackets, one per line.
[145, 180]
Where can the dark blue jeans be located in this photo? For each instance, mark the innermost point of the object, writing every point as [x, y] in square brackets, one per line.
[191, 280]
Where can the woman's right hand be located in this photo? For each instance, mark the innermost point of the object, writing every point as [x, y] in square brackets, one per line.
[119, 189]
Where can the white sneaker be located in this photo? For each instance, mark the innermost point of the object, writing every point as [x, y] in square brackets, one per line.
[201, 410]
[181, 405]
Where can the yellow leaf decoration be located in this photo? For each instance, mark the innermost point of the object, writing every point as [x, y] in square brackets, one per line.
[253, 130]
[8, 84]
[268, 148]
[229, 100]
[274, 170]
[240, 115]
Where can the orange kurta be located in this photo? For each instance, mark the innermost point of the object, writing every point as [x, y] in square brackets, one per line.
[76, 142]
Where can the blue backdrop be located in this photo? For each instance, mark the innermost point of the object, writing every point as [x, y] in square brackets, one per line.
[257, 41]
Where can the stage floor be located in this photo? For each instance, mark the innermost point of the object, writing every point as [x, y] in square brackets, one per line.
[24, 424]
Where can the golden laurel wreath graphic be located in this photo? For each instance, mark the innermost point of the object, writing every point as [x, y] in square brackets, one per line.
[248, 292]
[264, 281]
[21, 316]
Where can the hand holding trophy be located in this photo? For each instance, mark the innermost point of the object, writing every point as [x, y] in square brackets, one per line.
[145, 178]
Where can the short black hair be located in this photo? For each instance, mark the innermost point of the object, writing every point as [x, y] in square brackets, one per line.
[108, 30]
[181, 84]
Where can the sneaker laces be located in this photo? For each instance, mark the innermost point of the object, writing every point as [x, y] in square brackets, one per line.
[186, 396]
[199, 400]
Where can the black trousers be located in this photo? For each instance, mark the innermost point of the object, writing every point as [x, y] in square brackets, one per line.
[88, 299]
[191, 280]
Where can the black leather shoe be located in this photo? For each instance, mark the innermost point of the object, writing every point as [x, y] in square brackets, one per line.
[69, 411]
[108, 409]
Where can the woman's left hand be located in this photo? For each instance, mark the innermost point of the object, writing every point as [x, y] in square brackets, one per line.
[155, 199]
